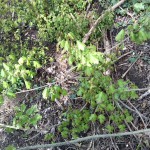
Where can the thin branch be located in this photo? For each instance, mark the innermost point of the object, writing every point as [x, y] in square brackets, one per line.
[22, 129]
[138, 114]
[86, 37]
[40, 87]
[46, 85]
[131, 66]
[34, 89]
[94, 137]
[132, 109]
[142, 89]
[145, 94]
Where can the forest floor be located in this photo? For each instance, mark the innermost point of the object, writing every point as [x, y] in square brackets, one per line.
[132, 64]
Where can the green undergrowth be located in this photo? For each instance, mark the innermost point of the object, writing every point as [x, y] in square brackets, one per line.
[26, 27]
[99, 91]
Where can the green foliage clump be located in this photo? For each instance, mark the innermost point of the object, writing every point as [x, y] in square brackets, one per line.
[76, 122]
[25, 27]
[53, 92]
[98, 90]
[25, 118]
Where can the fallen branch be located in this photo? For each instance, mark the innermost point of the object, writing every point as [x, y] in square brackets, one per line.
[94, 137]
[144, 95]
[86, 37]
[142, 89]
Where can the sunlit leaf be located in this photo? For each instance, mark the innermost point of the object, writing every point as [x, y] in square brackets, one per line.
[81, 46]
[120, 36]
[139, 6]
[46, 93]
[101, 118]
[28, 84]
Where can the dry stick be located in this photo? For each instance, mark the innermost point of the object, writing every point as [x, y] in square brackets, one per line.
[124, 55]
[46, 85]
[125, 120]
[131, 66]
[138, 114]
[16, 128]
[86, 37]
[94, 137]
[34, 89]
[131, 109]
[145, 94]
[142, 89]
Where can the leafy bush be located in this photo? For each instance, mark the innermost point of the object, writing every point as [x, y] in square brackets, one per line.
[25, 118]
[98, 90]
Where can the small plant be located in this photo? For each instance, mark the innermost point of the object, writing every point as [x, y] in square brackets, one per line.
[76, 123]
[98, 90]
[25, 118]
[10, 147]
[49, 137]
[53, 92]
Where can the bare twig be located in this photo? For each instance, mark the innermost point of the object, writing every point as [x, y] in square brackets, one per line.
[138, 114]
[34, 89]
[145, 94]
[86, 37]
[125, 120]
[118, 44]
[131, 66]
[124, 55]
[142, 89]
[131, 109]
[16, 128]
[94, 137]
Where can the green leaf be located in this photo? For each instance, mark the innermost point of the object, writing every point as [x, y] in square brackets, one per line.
[70, 60]
[101, 118]
[133, 95]
[122, 127]
[129, 118]
[21, 60]
[64, 134]
[142, 35]
[139, 6]
[88, 71]
[11, 94]
[29, 111]
[48, 137]
[110, 107]
[71, 36]
[64, 92]
[101, 97]
[110, 128]
[46, 93]
[5, 85]
[36, 64]
[10, 147]
[80, 45]
[111, 89]
[93, 117]
[93, 59]
[67, 46]
[1, 100]
[28, 84]
[23, 107]
[120, 36]
[3, 73]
